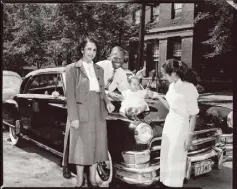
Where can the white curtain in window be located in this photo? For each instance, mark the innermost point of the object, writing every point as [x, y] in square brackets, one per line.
[177, 48]
[156, 52]
[156, 12]
[178, 8]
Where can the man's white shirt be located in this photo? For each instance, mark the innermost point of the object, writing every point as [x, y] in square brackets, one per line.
[120, 80]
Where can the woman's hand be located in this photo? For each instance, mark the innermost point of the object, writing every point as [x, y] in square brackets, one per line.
[188, 142]
[110, 107]
[156, 95]
[75, 124]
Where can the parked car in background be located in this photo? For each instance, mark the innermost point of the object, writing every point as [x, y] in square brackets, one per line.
[134, 142]
[11, 82]
[221, 112]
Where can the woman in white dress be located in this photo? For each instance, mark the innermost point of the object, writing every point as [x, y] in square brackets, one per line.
[180, 121]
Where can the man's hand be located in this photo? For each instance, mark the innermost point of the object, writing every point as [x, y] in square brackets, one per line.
[75, 124]
[115, 96]
[110, 107]
[155, 95]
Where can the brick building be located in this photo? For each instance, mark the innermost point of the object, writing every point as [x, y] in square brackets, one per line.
[173, 36]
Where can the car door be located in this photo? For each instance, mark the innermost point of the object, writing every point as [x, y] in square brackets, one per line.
[58, 114]
[24, 104]
[45, 113]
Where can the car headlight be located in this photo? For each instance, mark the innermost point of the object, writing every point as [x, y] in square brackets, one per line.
[230, 119]
[143, 133]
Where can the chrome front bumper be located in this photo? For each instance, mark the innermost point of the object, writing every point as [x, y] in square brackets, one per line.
[229, 152]
[219, 153]
[226, 143]
[143, 175]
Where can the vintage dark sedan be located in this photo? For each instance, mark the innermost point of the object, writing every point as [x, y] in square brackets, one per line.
[38, 113]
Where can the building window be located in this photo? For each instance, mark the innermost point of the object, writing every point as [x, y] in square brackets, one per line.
[137, 16]
[155, 52]
[174, 48]
[176, 10]
[177, 50]
[155, 13]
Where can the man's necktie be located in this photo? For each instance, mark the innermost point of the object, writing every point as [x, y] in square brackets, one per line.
[110, 80]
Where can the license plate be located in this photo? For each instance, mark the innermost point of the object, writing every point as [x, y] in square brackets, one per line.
[202, 167]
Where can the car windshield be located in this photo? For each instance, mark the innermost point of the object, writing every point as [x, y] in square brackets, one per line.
[10, 81]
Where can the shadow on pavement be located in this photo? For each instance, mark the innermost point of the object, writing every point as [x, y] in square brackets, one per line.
[30, 147]
[218, 179]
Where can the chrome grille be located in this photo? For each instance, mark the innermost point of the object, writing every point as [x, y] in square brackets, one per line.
[203, 139]
[155, 147]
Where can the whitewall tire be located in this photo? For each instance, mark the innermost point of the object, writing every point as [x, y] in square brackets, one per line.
[108, 165]
[14, 133]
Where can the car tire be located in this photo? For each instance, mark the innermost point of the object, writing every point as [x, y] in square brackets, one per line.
[103, 179]
[14, 133]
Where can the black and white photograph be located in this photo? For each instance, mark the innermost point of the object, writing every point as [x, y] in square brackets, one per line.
[118, 94]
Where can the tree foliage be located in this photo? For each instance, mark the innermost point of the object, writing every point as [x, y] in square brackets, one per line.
[45, 34]
[26, 28]
[216, 17]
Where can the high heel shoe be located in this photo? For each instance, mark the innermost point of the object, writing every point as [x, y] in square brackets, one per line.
[66, 172]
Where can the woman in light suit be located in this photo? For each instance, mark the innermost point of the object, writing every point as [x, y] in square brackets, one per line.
[87, 108]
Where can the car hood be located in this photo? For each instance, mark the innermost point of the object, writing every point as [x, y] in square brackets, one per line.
[157, 112]
[222, 99]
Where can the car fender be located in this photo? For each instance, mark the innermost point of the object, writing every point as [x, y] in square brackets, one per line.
[218, 116]
[13, 102]
[219, 111]
[11, 106]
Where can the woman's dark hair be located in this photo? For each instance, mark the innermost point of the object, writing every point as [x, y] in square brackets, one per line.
[181, 69]
[85, 41]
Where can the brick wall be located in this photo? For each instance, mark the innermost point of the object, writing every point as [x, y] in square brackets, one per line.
[165, 12]
[186, 17]
[148, 15]
[163, 52]
[187, 47]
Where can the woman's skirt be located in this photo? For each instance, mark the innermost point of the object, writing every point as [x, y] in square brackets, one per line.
[88, 144]
[173, 154]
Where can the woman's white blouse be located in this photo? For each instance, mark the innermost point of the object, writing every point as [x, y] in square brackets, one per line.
[182, 98]
[90, 71]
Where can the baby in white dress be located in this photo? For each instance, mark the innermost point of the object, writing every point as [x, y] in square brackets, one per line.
[134, 98]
